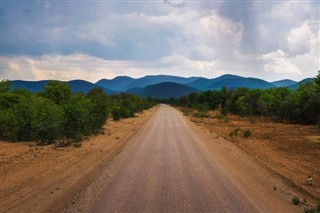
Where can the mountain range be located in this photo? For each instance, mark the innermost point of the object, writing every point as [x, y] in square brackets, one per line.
[75, 85]
[163, 86]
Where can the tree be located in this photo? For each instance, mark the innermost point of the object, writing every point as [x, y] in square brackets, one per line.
[76, 117]
[317, 80]
[5, 86]
[48, 120]
[99, 109]
[57, 91]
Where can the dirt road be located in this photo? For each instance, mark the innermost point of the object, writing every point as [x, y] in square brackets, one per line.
[167, 168]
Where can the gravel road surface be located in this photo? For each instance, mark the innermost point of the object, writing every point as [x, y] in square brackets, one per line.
[170, 170]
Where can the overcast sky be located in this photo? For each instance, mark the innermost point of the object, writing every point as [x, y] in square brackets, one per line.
[91, 40]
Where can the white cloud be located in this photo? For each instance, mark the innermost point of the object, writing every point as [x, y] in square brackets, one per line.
[64, 67]
[299, 39]
[180, 62]
[289, 10]
[277, 62]
[219, 27]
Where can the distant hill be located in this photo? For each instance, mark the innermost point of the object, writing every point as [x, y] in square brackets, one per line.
[119, 83]
[200, 84]
[163, 90]
[284, 83]
[85, 87]
[76, 86]
[204, 83]
[32, 86]
[124, 83]
[237, 82]
[304, 81]
[163, 85]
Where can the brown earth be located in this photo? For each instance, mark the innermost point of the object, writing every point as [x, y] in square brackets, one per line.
[288, 151]
[46, 179]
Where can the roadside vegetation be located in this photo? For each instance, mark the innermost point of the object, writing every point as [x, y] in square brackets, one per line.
[296, 106]
[56, 115]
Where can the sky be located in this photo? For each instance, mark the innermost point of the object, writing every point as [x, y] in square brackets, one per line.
[94, 39]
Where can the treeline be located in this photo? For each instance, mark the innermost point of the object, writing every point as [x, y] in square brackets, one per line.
[56, 114]
[298, 106]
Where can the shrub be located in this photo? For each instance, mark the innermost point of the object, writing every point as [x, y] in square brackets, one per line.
[77, 117]
[201, 115]
[48, 120]
[313, 210]
[186, 112]
[77, 144]
[246, 133]
[234, 132]
[116, 114]
[295, 201]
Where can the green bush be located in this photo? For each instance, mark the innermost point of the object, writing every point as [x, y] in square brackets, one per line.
[201, 115]
[246, 133]
[234, 132]
[295, 201]
[299, 106]
[313, 210]
[55, 115]
[77, 144]
[76, 117]
[47, 124]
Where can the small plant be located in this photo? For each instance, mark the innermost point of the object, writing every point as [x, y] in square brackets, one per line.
[234, 132]
[77, 144]
[247, 133]
[186, 112]
[310, 211]
[252, 120]
[222, 117]
[201, 115]
[313, 210]
[295, 201]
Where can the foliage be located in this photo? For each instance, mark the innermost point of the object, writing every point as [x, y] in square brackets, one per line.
[5, 86]
[55, 115]
[234, 132]
[57, 91]
[299, 106]
[201, 115]
[246, 133]
[47, 120]
[295, 201]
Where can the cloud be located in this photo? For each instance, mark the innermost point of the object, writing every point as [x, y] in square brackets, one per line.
[52, 39]
[64, 67]
[180, 62]
[174, 3]
[277, 62]
[299, 39]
